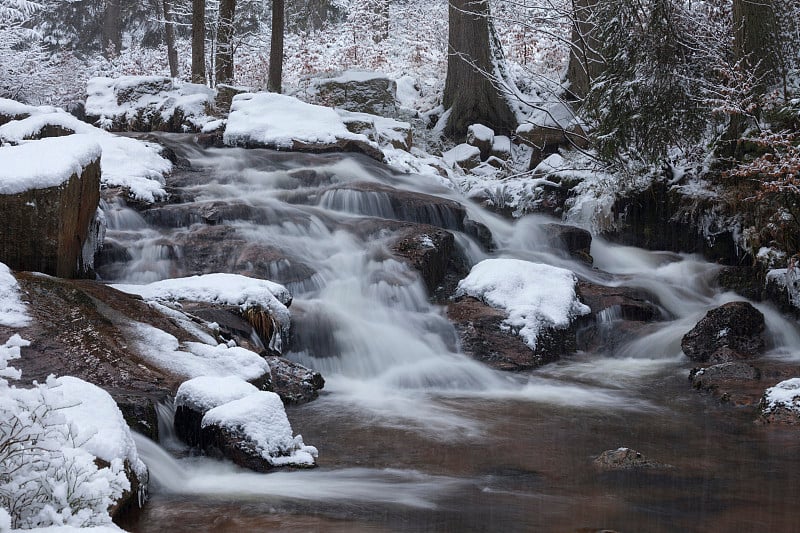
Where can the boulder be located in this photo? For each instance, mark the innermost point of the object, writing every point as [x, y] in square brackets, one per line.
[359, 91]
[293, 382]
[780, 404]
[625, 459]
[782, 287]
[744, 280]
[576, 241]
[254, 433]
[384, 131]
[730, 332]
[428, 250]
[481, 138]
[725, 380]
[52, 210]
[464, 156]
[632, 304]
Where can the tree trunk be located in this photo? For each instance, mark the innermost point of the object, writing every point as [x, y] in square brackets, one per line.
[473, 92]
[112, 31]
[585, 62]
[199, 41]
[169, 36]
[276, 47]
[756, 40]
[381, 8]
[224, 61]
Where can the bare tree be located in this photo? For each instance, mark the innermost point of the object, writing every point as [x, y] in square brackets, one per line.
[475, 90]
[169, 37]
[112, 30]
[276, 46]
[225, 29]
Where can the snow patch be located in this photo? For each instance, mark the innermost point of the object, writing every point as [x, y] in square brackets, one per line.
[784, 395]
[13, 312]
[206, 392]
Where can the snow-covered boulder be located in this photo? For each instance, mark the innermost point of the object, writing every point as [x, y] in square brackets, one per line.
[482, 138]
[280, 122]
[262, 303]
[254, 432]
[781, 403]
[730, 332]
[427, 250]
[782, 287]
[49, 204]
[148, 103]
[355, 90]
[198, 396]
[464, 155]
[539, 303]
[382, 130]
[133, 165]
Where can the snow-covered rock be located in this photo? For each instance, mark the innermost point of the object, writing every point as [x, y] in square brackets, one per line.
[781, 403]
[464, 155]
[51, 201]
[254, 432]
[382, 130]
[535, 296]
[148, 103]
[482, 138]
[356, 90]
[128, 163]
[271, 120]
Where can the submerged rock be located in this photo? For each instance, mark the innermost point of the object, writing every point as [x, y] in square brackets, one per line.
[626, 459]
[730, 332]
[428, 250]
[726, 380]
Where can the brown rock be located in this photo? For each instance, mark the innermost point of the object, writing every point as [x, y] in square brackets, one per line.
[731, 331]
[428, 250]
[625, 459]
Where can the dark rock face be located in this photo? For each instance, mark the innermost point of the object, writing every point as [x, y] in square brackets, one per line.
[339, 145]
[187, 423]
[576, 241]
[745, 280]
[57, 221]
[729, 332]
[293, 382]
[428, 250]
[373, 94]
[478, 326]
[725, 380]
[230, 444]
[661, 218]
[625, 459]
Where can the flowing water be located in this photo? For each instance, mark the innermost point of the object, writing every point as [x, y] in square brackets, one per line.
[413, 435]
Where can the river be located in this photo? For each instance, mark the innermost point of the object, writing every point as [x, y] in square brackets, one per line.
[415, 436]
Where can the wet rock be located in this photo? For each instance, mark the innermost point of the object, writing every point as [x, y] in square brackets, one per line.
[632, 304]
[744, 280]
[482, 338]
[626, 459]
[293, 382]
[782, 288]
[729, 332]
[363, 92]
[428, 250]
[780, 404]
[45, 229]
[576, 241]
[724, 380]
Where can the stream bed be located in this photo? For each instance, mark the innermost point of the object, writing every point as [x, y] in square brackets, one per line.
[412, 434]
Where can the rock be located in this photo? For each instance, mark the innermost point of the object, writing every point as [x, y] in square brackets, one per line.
[359, 91]
[481, 138]
[782, 287]
[546, 140]
[724, 380]
[293, 382]
[55, 218]
[780, 404]
[632, 304]
[148, 103]
[465, 156]
[576, 241]
[428, 250]
[482, 338]
[729, 332]
[254, 433]
[224, 97]
[744, 280]
[625, 459]
[384, 131]
[501, 147]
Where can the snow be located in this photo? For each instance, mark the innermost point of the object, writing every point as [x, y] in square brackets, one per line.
[385, 130]
[188, 98]
[23, 168]
[550, 115]
[278, 120]
[110, 528]
[535, 296]
[207, 392]
[480, 132]
[13, 312]
[195, 359]
[261, 418]
[460, 154]
[408, 93]
[125, 162]
[101, 428]
[220, 288]
[501, 144]
[784, 395]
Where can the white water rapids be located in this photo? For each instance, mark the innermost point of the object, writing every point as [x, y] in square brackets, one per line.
[390, 358]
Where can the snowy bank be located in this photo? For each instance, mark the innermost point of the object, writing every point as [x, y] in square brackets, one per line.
[13, 312]
[535, 296]
[135, 165]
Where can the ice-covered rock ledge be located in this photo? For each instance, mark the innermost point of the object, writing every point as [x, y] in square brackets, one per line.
[280, 122]
[49, 193]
